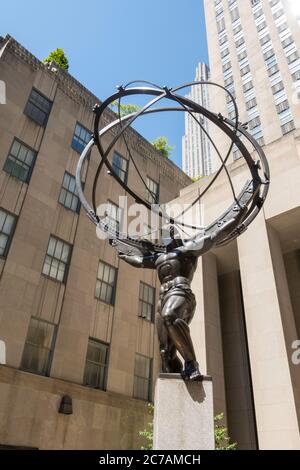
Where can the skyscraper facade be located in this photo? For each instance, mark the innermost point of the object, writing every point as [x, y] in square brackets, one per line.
[196, 153]
[254, 52]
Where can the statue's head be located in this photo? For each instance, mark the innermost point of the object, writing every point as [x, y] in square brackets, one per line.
[171, 238]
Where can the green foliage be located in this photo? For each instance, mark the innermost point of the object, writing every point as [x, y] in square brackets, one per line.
[59, 57]
[162, 146]
[125, 109]
[147, 433]
[197, 178]
[222, 440]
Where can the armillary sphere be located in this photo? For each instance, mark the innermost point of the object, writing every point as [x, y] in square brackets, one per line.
[251, 196]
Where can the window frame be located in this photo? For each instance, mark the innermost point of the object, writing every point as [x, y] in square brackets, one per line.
[26, 112]
[149, 379]
[77, 210]
[114, 287]
[141, 300]
[67, 264]
[11, 235]
[85, 143]
[120, 170]
[51, 349]
[106, 366]
[111, 219]
[151, 199]
[30, 168]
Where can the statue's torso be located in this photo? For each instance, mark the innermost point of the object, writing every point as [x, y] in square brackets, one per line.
[175, 264]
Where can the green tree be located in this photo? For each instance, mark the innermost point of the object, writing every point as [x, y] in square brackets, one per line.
[59, 57]
[147, 433]
[162, 146]
[197, 178]
[125, 109]
[222, 440]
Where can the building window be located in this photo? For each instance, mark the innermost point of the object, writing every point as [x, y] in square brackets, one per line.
[7, 226]
[224, 53]
[277, 87]
[265, 39]
[283, 106]
[247, 86]
[96, 364]
[254, 123]
[152, 191]
[38, 108]
[296, 75]
[142, 377]
[146, 302]
[272, 70]
[222, 39]
[113, 216]
[106, 283]
[20, 161]
[251, 103]
[120, 167]
[221, 25]
[239, 42]
[68, 194]
[261, 26]
[292, 57]
[38, 346]
[234, 14]
[81, 138]
[288, 127]
[245, 70]
[57, 259]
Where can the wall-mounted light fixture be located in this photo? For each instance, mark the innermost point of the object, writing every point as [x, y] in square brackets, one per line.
[66, 406]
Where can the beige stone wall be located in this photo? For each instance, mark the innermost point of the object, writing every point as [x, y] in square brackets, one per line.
[29, 415]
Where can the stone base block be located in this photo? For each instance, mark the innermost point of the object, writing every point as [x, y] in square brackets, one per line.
[183, 414]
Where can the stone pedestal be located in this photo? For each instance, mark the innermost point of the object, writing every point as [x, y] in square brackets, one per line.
[183, 414]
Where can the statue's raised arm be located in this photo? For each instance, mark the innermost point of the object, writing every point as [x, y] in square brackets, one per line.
[139, 261]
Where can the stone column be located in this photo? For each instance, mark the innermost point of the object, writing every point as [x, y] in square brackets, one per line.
[276, 416]
[206, 327]
[183, 418]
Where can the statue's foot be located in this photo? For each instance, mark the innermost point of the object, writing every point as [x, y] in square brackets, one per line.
[191, 372]
[170, 365]
[176, 365]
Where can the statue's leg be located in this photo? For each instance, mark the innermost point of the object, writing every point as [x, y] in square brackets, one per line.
[175, 309]
[170, 362]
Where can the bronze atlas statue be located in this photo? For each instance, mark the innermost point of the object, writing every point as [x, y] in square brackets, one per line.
[175, 258]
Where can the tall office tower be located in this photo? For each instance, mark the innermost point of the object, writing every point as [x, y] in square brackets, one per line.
[251, 287]
[196, 153]
[254, 52]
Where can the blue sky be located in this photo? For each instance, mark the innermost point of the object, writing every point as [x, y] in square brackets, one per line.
[110, 42]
